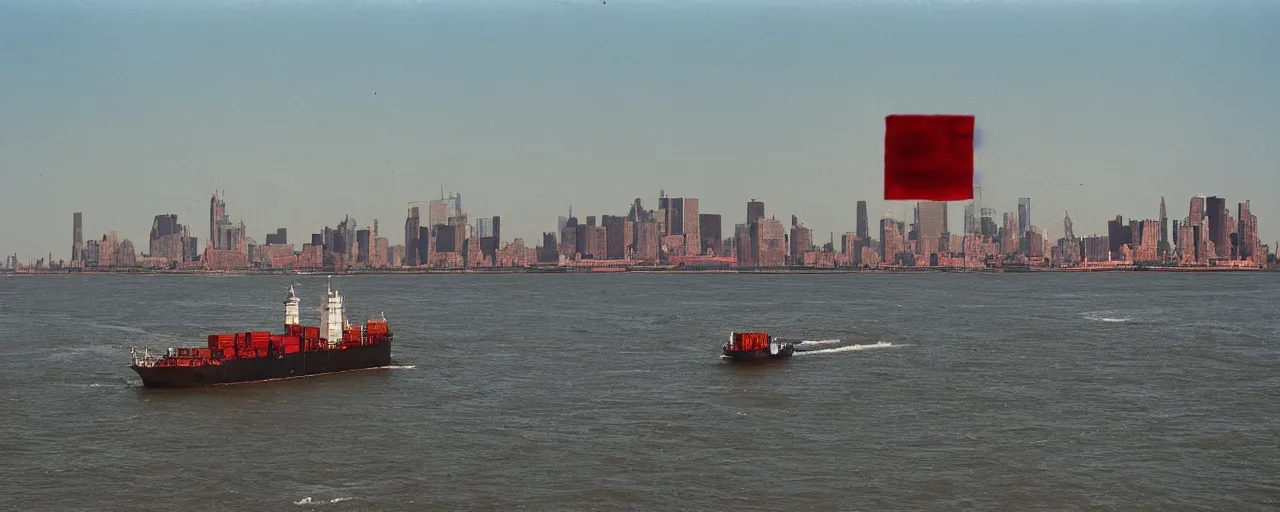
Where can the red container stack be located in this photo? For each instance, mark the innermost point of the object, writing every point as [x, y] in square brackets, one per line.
[751, 340]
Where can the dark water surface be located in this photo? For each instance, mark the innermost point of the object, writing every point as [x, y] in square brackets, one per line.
[1129, 391]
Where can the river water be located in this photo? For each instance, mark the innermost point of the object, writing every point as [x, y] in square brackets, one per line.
[1120, 391]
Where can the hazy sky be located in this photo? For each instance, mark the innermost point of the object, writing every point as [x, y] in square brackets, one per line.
[308, 110]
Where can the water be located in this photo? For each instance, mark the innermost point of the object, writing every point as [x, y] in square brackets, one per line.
[1124, 391]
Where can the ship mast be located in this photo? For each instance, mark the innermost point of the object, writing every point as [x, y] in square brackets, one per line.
[291, 304]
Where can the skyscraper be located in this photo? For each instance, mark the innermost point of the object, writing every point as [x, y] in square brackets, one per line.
[411, 224]
[709, 232]
[217, 217]
[1216, 209]
[755, 211]
[692, 226]
[77, 236]
[1164, 223]
[1024, 215]
[863, 227]
[931, 224]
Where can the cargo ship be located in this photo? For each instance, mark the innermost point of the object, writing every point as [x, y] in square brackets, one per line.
[335, 346]
[756, 346]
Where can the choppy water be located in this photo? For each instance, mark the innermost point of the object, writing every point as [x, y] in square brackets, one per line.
[1140, 391]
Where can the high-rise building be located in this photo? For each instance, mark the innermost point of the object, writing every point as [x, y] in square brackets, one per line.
[709, 231]
[1216, 210]
[280, 237]
[411, 224]
[77, 237]
[689, 220]
[863, 226]
[1024, 215]
[1248, 234]
[931, 227]
[168, 238]
[364, 243]
[755, 211]
[1118, 234]
[439, 211]
[1164, 223]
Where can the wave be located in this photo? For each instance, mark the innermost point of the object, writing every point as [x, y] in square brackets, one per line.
[1098, 316]
[849, 348]
[309, 501]
[818, 342]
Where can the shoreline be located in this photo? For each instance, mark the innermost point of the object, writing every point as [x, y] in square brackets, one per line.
[627, 270]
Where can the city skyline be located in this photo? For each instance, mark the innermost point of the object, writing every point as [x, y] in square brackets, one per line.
[168, 238]
[113, 117]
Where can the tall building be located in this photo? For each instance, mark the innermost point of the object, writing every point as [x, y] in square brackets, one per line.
[1196, 213]
[411, 224]
[364, 243]
[690, 225]
[931, 225]
[439, 211]
[1248, 234]
[1164, 223]
[77, 237]
[280, 237]
[484, 227]
[217, 220]
[1216, 210]
[709, 231]
[892, 242]
[770, 249]
[1118, 234]
[755, 211]
[863, 227]
[1024, 215]
[168, 238]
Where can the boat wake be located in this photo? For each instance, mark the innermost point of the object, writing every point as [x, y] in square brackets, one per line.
[810, 343]
[309, 501]
[399, 367]
[847, 348]
[1099, 317]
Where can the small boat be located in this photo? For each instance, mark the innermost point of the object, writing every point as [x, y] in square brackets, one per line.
[756, 346]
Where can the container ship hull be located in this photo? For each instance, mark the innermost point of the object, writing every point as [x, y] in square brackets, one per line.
[758, 355]
[272, 367]
[756, 346]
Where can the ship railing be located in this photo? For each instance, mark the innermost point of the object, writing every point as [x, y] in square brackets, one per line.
[146, 359]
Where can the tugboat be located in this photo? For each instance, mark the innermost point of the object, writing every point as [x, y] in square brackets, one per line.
[756, 346]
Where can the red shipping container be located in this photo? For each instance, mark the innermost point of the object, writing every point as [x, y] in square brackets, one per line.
[292, 349]
[928, 157]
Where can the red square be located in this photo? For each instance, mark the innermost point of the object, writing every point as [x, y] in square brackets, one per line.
[928, 157]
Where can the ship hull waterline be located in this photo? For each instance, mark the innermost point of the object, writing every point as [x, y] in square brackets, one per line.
[273, 367]
[747, 356]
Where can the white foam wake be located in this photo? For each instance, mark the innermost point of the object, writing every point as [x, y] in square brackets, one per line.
[1108, 319]
[819, 342]
[399, 367]
[309, 501]
[850, 348]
